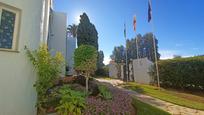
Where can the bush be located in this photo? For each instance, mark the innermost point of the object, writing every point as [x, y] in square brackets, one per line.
[104, 92]
[77, 87]
[93, 85]
[85, 58]
[102, 71]
[80, 79]
[48, 70]
[72, 102]
[185, 73]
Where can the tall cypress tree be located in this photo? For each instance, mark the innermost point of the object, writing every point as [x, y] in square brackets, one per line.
[100, 63]
[86, 32]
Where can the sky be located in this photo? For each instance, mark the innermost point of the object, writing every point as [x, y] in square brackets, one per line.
[177, 24]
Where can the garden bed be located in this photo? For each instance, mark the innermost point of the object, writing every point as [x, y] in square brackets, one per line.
[120, 104]
[117, 102]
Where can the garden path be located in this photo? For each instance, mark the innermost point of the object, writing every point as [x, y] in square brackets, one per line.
[169, 107]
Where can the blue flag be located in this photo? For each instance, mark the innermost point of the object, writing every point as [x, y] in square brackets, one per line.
[149, 11]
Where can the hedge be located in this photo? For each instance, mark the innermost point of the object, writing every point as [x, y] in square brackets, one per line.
[185, 73]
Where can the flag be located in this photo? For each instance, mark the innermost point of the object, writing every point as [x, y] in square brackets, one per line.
[124, 30]
[134, 23]
[149, 11]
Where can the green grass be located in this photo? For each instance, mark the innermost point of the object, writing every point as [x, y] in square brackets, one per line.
[146, 109]
[189, 100]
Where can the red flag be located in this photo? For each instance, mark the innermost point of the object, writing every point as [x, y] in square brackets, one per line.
[149, 10]
[134, 23]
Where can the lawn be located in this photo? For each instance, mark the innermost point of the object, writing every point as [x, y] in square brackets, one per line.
[183, 99]
[146, 109]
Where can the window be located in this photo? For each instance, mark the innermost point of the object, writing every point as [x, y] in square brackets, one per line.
[9, 27]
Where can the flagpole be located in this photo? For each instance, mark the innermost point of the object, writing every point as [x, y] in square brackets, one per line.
[155, 52]
[126, 72]
[126, 61]
[137, 47]
[155, 55]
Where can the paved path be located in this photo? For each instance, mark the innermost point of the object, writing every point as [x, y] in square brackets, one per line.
[171, 108]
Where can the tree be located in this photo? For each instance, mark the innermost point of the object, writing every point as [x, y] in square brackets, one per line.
[85, 59]
[73, 30]
[145, 47]
[86, 32]
[100, 63]
[131, 47]
[118, 54]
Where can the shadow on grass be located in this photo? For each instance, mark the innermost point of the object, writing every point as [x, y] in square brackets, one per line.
[134, 88]
[146, 109]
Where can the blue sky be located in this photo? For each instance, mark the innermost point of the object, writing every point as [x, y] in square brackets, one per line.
[178, 24]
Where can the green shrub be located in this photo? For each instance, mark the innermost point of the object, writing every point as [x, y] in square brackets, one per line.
[85, 58]
[185, 73]
[104, 92]
[48, 70]
[72, 102]
[102, 71]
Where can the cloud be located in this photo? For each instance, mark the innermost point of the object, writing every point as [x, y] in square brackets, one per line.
[106, 60]
[187, 56]
[168, 54]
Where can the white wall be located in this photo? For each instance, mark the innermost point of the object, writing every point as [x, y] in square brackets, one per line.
[71, 46]
[57, 37]
[113, 71]
[131, 74]
[141, 68]
[17, 76]
[122, 72]
[44, 23]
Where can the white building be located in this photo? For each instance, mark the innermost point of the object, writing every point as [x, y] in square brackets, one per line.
[113, 70]
[141, 69]
[57, 33]
[22, 23]
[71, 46]
[138, 71]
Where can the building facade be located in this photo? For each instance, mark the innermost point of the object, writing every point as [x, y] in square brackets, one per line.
[22, 23]
[113, 70]
[57, 34]
[141, 69]
[71, 46]
[138, 71]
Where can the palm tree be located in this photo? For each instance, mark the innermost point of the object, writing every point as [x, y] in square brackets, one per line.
[73, 30]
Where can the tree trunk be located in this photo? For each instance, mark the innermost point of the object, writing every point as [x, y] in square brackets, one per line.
[87, 83]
